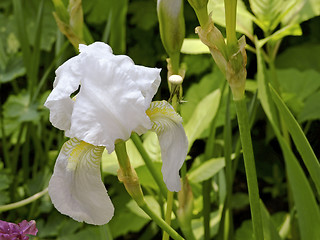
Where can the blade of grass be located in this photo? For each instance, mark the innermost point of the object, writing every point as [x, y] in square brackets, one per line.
[304, 199]
[269, 230]
[36, 49]
[300, 140]
[23, 37]
[48, 71]
[308, 213]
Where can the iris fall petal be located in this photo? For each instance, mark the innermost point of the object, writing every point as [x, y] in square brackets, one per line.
[76, 188]
[173, 141]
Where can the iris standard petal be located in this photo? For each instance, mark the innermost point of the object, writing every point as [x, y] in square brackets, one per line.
[173, 141]
[76, 188]
[112, 100]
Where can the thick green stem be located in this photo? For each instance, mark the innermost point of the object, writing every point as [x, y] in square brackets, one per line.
[227, 232]
[203, 17]
[246, 142]
[130, 180]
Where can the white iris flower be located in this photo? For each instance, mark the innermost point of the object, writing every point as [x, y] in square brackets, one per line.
[113, 100]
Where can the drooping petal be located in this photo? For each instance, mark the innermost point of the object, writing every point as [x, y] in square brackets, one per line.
[173, 141]
[112, 100]
[76, 188]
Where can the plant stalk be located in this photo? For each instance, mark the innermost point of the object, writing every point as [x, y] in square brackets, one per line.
[23, 202]
[168, 213]
[145, 156]
[248, 156]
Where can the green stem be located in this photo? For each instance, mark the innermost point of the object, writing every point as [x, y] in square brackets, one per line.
[149, 163]
[168, 213]
[246, 142]
[24, 202]
[231, 14]
[130, 179]
[203, 17]
[175, 62]
[161, 223]
[227, 232]
[206, 189]
[252, 113]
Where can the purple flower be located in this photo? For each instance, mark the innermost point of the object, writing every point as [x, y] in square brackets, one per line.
[12, 231]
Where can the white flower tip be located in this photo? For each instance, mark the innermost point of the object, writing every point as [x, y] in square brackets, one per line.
[175, 79]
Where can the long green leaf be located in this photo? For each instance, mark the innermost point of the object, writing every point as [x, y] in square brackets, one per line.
[306, 205]
[36, 50]
[299, 139]
[305, 202]
[22, 35]
[269, 230]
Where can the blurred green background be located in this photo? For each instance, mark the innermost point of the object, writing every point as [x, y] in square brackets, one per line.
[32, 47]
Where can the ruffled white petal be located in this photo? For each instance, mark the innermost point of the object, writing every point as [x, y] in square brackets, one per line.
[59, 102]
[76, 188]
[173, 141]
[112, 100]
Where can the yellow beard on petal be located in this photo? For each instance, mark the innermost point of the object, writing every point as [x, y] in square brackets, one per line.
[78, 150]
[76, 153]
[159, 113]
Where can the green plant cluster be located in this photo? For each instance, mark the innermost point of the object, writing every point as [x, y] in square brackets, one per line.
[282, 96]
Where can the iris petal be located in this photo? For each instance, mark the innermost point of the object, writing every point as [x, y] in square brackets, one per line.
[112, 100]
[59, 102]
[173, 141]
[76, 188]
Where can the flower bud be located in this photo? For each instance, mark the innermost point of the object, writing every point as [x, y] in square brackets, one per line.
[172, 26]
[175, 79]
[76, 17]
[70, 21]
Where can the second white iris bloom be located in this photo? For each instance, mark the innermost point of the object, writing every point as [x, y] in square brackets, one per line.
[113, 100]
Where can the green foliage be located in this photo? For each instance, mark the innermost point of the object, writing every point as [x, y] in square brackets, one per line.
[283, 98]
[297, 87]
[206, 170]
[300, 57]
[202, 116]
[310, 111]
